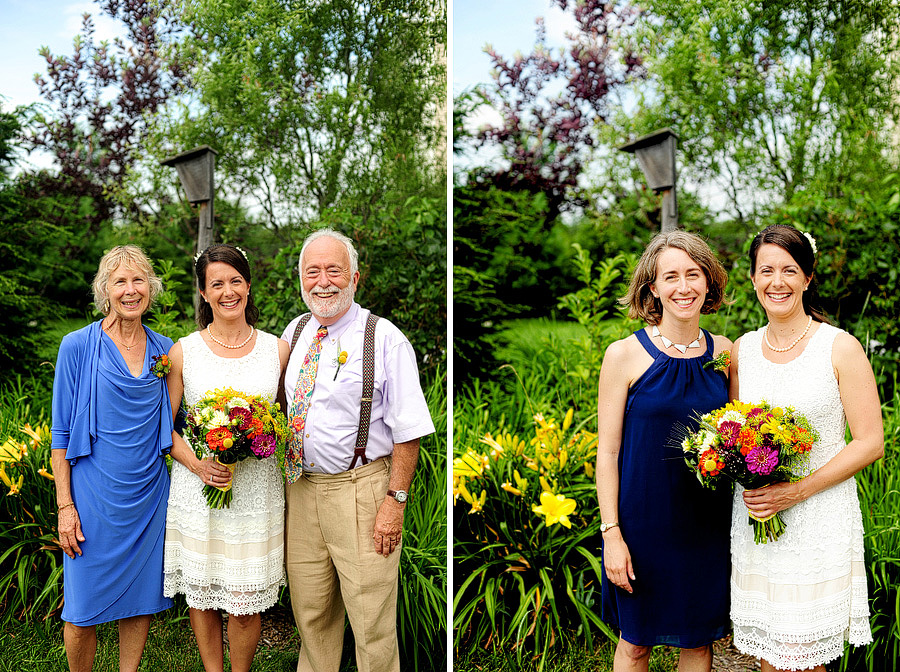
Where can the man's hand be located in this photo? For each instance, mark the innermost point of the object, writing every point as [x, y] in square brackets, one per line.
[388, 526]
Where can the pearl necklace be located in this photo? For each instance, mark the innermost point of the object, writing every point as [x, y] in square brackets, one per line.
[796, 340]
[225, 345]
[678, 346]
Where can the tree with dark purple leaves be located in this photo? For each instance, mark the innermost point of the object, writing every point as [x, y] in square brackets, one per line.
[546, 137]
[100, 98]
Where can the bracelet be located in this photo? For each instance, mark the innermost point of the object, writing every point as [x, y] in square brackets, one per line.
[64, 506]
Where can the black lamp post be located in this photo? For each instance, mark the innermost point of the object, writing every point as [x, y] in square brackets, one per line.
[655, 155]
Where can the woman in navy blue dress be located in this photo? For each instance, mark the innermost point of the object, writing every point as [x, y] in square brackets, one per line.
[112, 426]
[664, 538]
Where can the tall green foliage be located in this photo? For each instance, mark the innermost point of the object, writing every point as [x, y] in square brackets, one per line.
[313, 104]
[771, 98]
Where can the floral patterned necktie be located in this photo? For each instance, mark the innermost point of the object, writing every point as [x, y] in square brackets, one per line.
[293, 463]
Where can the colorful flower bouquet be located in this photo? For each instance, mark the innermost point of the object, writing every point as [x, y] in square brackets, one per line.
[233, 426]
[755, 445]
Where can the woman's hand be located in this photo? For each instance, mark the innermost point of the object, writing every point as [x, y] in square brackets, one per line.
[70, 531]
[768, 501]
[617, 560]
[212, 473]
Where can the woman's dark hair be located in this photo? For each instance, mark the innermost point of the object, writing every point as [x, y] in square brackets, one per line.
[799, 246]
[227, 254]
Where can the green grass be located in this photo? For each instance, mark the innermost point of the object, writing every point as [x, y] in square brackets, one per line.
[170, 646]
[571, 659]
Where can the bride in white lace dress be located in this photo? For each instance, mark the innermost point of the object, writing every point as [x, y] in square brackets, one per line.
[795, 601]
[230, 559]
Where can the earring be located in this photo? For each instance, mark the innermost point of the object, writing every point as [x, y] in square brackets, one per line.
[106, 307]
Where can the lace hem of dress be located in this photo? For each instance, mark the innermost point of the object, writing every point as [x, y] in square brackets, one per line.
[816, 650]
[233, 601]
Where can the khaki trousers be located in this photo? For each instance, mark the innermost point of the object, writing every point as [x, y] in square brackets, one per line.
[332, 567]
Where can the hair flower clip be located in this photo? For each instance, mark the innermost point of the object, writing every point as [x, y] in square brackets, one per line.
[812, 242]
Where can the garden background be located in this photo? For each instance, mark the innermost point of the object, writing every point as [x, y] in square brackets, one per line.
[321, 114]
[785, 112]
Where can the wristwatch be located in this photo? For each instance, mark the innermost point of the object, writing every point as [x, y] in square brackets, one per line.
[400, 495]
[607, 526]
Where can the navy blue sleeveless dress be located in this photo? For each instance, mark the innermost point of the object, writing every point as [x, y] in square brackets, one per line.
[677, 532]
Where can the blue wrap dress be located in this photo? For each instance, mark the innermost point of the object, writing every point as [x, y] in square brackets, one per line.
[116, 429]
[677, 532]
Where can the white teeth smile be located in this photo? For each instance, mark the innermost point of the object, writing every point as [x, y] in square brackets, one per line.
[778, 297]
[683, 302]
[229, 304]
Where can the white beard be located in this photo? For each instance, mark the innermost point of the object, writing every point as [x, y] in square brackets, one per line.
[329, 307]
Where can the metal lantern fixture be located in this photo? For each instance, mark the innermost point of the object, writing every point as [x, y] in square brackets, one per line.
[655, 155]
[195, 170]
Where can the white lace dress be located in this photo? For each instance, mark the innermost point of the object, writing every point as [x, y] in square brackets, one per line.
[231, 559]
[795, 601]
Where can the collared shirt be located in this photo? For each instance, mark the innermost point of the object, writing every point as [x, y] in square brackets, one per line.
[399, 410]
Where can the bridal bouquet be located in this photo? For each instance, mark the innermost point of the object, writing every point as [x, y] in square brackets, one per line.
[755, 445]
[234, 426]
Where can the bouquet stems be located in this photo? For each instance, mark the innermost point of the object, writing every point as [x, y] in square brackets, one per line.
[219, 497]
[767, 529]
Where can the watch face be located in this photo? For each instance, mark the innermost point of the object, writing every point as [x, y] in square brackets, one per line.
[401, 496]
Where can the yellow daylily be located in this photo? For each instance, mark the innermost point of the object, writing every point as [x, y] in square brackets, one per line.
[478, 504]
[470, 464]
[556, 508]
[11, 451]
[506, 485]
[567, 421]
[520, 482]
[545, 484]
[46, 474]
[5, 477]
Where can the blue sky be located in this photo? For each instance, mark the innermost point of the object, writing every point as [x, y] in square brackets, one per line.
[25, 26]
[509, 25]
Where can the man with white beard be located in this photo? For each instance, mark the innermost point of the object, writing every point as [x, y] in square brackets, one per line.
[357, 413]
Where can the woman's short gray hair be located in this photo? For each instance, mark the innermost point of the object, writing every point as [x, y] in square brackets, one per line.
[131, 256]
[340, 237]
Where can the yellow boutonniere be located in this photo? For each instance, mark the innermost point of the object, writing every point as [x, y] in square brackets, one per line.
[341, 359]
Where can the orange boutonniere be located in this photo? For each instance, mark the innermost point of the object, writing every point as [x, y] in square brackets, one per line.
[721, 362]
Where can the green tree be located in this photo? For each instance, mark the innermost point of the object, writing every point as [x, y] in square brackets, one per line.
[314, 105]
[770, 99]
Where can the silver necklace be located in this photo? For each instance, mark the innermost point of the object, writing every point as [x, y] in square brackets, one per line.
[678, 346]
[225, 345]
[796, 340]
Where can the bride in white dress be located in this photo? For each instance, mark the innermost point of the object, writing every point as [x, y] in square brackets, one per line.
[795, 601]
[230, 559]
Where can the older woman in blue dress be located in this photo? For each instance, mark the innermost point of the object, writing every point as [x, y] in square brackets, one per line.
[112, 426]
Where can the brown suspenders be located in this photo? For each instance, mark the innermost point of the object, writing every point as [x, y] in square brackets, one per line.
[365, 407]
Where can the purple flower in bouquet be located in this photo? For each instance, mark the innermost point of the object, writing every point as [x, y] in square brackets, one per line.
[762, 460]
[729, 432]
[263, 445]
[243, 415]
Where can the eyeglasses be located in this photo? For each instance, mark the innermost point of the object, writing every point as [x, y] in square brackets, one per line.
[332, 272]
